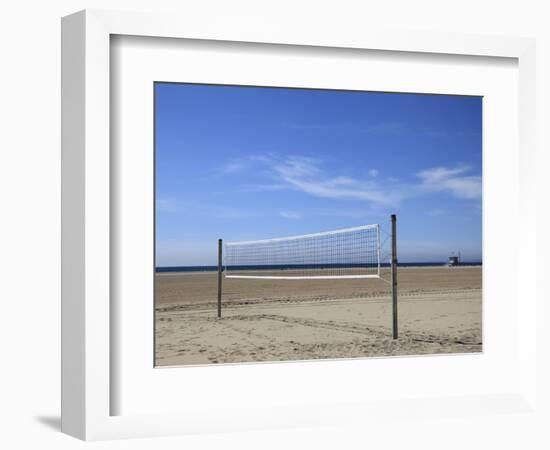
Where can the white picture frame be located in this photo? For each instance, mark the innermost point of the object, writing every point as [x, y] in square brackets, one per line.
[87, 326]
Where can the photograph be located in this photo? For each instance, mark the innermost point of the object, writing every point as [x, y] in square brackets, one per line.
[296, 224]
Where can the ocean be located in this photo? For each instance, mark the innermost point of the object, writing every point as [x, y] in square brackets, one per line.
[306, 266]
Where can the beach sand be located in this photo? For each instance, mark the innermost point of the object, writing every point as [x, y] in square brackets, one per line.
[280, 320]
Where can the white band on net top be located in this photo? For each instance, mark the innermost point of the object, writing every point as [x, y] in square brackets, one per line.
[310, 277]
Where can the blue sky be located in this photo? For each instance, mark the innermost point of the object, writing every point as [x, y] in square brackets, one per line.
[243, 163]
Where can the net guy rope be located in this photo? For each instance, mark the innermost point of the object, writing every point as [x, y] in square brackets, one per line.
[338, 254]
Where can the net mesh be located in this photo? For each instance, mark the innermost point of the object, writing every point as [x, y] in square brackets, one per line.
[347, 253]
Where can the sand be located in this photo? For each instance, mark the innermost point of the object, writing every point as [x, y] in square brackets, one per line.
[280, 320]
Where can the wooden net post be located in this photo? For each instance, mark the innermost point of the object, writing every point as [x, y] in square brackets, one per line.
[394, 273]
[219, 278]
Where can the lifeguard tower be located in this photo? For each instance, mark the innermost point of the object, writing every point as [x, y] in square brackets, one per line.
[454, 260]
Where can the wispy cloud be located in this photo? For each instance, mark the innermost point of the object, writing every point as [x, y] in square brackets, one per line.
[233, 166]
[310, 176]
[385, 128]
[290, 215]
[304, 174]
[257, 188]
[171, 206]
[354, 213]
[456, 181]
[377, 128]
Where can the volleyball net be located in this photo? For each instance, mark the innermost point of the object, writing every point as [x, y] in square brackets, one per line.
[345, 253]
